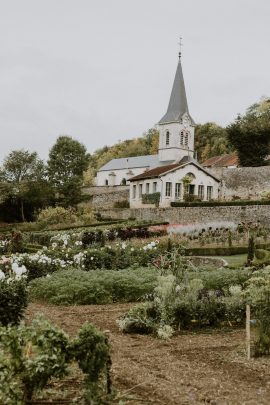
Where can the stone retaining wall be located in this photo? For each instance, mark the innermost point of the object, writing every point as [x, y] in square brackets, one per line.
[189, 215]
[243, 182]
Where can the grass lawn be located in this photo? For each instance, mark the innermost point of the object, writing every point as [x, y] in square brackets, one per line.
[235, 260]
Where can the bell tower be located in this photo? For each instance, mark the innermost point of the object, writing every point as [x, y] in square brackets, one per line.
[176, 127]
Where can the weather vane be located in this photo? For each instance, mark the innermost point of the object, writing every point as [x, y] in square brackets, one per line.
[180, 43]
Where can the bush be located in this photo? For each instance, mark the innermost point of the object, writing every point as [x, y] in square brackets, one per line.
[13, 293]
[262, 254]
[56, 215]
[121, 204]
[153, 198]
[13, 301]
[76, 287]
[31, 355]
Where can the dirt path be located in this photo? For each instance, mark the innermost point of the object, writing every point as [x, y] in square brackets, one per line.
[191, 368]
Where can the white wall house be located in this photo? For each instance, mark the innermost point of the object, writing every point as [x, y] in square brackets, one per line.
[168, 181]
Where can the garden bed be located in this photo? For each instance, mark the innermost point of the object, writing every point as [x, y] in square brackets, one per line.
[192, 368]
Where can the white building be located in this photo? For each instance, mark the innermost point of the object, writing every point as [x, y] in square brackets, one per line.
[174, 172]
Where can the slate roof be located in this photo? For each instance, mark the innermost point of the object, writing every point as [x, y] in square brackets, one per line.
[159, 171]
[178, 101]
[133, 162]
[230, 159]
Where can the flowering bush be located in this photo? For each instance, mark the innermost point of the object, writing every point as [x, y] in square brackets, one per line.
[13, 292]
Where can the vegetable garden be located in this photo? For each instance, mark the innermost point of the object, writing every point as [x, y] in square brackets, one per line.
[148, 271]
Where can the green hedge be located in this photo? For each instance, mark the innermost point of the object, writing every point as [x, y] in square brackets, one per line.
[152, 198]
[219, 203]
[216, 251]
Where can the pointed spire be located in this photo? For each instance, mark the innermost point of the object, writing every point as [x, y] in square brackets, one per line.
[178, 101]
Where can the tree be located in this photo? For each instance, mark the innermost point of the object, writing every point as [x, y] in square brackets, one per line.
[211, 140]
[250, 134]
[22, 179]
[68, 159]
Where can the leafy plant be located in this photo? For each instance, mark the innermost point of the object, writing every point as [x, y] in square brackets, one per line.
[31, 355]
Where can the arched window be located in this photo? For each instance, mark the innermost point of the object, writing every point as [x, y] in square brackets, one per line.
[167, 138]
[182, 138]
[106, 182]
[186, 139]
[124, 182]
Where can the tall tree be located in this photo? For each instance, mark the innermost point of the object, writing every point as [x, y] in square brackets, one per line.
[250, 134]
[22, 178]
[211, 140]
[68, 159]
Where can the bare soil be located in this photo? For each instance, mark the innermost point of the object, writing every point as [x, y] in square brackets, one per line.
[202, 367]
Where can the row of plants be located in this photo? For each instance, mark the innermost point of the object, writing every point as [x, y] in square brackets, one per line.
[185, 299]
[118, 257]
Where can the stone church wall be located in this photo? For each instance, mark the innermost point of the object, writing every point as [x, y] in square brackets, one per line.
[191, 215]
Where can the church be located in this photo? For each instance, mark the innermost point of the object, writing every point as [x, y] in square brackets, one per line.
[174, 172]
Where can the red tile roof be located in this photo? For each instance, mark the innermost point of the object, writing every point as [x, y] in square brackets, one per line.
[230, 159]
[155, 172]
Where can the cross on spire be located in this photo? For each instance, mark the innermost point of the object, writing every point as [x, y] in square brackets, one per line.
[180, 43]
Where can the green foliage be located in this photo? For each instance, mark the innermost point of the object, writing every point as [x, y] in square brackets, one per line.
[251, 250]
[146, 145]
[211, 140]
[33, 354]
[257, 295]
[23, 180]
[55, 215]
[121, 204]
[152, 198]
[68, 160]
[76, 287]
[250, 135]
[13, 300]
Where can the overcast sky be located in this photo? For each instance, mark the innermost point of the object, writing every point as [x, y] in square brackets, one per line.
[102, 70]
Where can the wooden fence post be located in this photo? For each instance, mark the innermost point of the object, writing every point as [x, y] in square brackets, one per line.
[248, 331]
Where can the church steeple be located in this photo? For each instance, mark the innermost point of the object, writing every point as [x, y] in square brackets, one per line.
[176, 127]
[178, 105]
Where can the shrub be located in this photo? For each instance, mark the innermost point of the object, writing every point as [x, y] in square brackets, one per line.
[56, 215]
[262, 254]
[13, 293]
[121, 204]
[71, 287]
[153, 198]
[32, 355]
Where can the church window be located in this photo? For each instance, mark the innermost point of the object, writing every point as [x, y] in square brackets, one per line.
[177, 191]
[186, 139]
[168, 191]
[201, 192]
[134, 191]
[140, 190]
[209, 192]
[167, 138]
[182, 138]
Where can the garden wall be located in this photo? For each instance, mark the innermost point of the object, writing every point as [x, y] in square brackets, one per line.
[188, 215]
[106, 196]
[244, 182]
